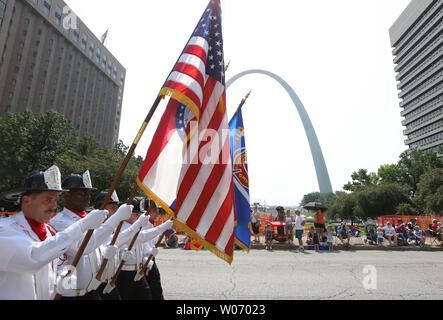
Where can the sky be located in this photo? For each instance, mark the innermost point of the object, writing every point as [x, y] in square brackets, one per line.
[336, 55]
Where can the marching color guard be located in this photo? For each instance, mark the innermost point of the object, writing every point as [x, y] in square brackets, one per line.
[76, 202]
[29, 246]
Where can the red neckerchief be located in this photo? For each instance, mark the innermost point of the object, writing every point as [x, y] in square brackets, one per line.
[81, 214]
[38, 228]
[152, 222]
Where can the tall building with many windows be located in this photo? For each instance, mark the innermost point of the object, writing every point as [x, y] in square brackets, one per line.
[417, 38]
[49, 59]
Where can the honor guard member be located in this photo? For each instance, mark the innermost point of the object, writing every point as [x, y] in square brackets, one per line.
[128, 288]
[111, 206]
[29, 247]
[108, 253]
[153, 277]
[76, 202]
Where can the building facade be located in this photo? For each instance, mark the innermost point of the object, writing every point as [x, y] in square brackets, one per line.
[50, 60]
[417, 37]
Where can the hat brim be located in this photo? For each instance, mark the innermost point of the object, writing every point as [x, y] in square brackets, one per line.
[72, 189]
[15, 195]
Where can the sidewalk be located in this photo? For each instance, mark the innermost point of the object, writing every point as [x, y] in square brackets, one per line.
[356, 244]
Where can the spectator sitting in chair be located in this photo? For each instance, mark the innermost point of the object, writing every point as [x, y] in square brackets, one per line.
[390, 234]
[418, 234]
[380, 236]
[410, 228]
[171, 239]
[439, 233]
[310, 237]
[343, 233]
[401, 230]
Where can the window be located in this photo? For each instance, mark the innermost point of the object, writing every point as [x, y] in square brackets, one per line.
[98, 55]
[84, 41]
[13, 82]
[91, 48]
[47, 6]
[76, 35]
[104, 61]
[1, 21]
[2, 5]
[58, 15]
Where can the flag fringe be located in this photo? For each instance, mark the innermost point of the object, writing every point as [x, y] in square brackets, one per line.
[180, 97]
[183, 227]
[242, 245]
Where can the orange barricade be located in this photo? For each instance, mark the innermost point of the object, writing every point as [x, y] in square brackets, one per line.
[422, 221]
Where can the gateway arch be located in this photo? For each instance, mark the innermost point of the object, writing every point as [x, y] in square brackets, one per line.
[319, 162]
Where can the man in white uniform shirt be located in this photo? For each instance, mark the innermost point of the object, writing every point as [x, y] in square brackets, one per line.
[29, 247]
[76, 202]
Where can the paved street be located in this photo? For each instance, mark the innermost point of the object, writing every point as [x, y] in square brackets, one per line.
[285, 275]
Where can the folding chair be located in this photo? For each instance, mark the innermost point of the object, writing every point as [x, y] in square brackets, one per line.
[430, 234]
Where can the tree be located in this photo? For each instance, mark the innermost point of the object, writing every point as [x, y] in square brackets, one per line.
[30, 143]
[324, 198]
[360, 180]
[390, 173]
[343, 207]
[413, 164]
[406, 209]
[430, 192]
[380, 200]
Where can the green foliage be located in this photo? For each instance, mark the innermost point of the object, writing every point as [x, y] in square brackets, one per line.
[380, 200]
[430, 192]
[324, 198]
[360, 180]
[30, 143]
[343, 207]
[35, 143]
[406, 209]
[413, 164]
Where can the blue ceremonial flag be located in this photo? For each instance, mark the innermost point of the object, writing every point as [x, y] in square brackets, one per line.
[242, 229]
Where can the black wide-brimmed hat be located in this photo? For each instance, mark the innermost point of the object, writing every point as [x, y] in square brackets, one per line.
[138, 205]
[36, 182]
[101, 197]
[151, 204]
[78, 182]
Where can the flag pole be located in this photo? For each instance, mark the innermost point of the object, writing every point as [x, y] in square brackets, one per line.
[117, 178]
[97, 280]
[146, 265]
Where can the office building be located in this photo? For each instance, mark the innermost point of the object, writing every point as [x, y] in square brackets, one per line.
[50, 60]
[417, 37]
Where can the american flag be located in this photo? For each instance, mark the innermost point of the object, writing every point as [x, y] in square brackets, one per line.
[204, 196]
[104, 36]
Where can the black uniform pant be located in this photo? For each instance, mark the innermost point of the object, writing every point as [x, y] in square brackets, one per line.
[132, 290]
[113, 295]
[155, 283]
[93, 295]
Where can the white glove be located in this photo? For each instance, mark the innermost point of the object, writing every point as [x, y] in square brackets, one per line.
[110, 252]
[93, 220]
[128, 255]
[165, 226]
[150, 264]
[124, 212]
[152, 252]
[141, 222]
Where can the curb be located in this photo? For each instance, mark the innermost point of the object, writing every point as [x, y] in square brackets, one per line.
[279, 247]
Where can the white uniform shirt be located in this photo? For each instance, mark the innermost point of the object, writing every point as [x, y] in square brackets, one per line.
[145, 238]
[27, 264]
[90, 262]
